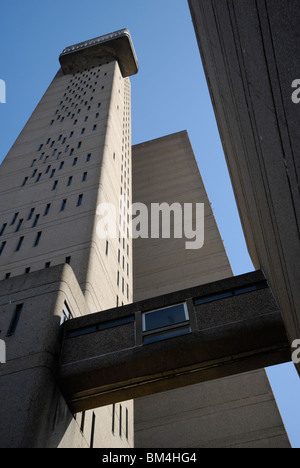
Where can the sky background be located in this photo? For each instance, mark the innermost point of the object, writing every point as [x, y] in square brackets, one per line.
[169, 94]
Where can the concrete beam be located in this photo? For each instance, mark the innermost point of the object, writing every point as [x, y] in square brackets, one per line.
[233, 326]
[115, 46]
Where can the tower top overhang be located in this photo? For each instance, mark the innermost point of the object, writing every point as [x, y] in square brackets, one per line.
[115, 46]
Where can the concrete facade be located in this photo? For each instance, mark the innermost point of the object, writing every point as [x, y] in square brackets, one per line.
[73, 155]
[250, 56]
[223, 413]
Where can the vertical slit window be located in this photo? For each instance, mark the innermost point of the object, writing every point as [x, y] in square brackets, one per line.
[20, 244]
[24, 181]
[79, 202]
[36, 220]
[15, 320]
[3, 229]
[38, 238]
[63, 205]
[113, 418]
[31, 214]
[93, 430]
[19, 225]
[47, 209]
[2, 247]
[84, 177]
[55, 185]
[70, 181]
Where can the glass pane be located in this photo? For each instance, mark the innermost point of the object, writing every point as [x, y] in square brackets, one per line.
[167, 335]
[164, 317]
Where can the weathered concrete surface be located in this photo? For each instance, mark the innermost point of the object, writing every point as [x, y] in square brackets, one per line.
[228, 336]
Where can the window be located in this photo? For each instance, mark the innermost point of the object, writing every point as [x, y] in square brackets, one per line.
[68, 260]
[19, 225]
[34, 173]
[15, 320]
[27, 270]
[55, 185]
[70, 181]
[79, 202]
[47, 265]
[52, 173]
[39, 177]
[66, 314]
[84, 177]
[75, 161]
[37, 239]
[61, 165]
[106, 248]
[19, 245]
[36, 220]
[63, 205]
[94, 127]
[30, 214]
[88, 158]
[47, 209]
[165, 323]
[24, 181]
[2, 247]
[3, 229]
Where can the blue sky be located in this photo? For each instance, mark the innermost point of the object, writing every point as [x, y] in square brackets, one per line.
[169, 94]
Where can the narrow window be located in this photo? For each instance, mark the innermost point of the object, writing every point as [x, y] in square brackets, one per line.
[79, 202]
[47, 209]
[38, 238]
[36, 220]
[19, 244]
[126, 428]
[3, 229]
[94, 127]
[113, 418]
[39, 177]
[47, 265]
[33, 162]
[93, 431]
[15, 320]
[55, 185]
[70, 181]
[52, 173]
[24, 181]
[27, 270]
[72, 151]
[68, 260]
[106, 248]
[61, 165]
[79, 144]
[120, 422]
[30, 214]
[82, 421]
[19, 225]
[34, 173]
[75, 161]
[63, 205]
[84, 177]
[7, 276]
[48, 169]
[82, 131]
[88, 158]
[2, 247]
[14, 218]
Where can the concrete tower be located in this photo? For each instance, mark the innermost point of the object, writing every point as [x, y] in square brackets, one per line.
[73, 154]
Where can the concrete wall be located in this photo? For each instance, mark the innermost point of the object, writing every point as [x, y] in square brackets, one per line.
[97, 97]
[238, 411]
